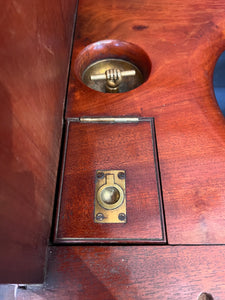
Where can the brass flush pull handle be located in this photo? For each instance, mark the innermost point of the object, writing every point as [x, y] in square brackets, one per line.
[110, 197]
[113, 78]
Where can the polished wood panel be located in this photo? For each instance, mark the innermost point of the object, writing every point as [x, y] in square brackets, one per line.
[143, 272]
[91, 147]
[34, 57]
[183, 40]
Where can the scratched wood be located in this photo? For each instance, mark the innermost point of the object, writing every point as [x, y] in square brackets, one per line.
[162, 272]
[183, 41]
[34, 56]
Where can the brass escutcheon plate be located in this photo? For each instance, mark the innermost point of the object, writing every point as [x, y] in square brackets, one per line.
[110, 197]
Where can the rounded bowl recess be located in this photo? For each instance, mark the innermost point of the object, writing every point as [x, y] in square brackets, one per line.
[112, 66]
[219, 82]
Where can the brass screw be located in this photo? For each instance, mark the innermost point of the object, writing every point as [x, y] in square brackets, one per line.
[100, 175]
[121, 175]
[99, 217]
[122, 217]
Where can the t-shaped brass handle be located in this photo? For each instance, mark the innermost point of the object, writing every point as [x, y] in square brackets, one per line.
[113, 78]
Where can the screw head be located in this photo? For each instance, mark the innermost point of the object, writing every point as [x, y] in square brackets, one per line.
[100, 175]
[121, 175]
[122, 217]
[99, 217]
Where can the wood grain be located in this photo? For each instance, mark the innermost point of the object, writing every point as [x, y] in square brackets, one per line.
[183, 41]
[34, 57]
[92, 147]
[144, 272]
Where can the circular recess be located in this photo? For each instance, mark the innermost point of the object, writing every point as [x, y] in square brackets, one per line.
[219, 82]
[110, 197]
[112, 66]
[205, 296]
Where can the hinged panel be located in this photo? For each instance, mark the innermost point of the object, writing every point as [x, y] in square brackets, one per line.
[90, 147]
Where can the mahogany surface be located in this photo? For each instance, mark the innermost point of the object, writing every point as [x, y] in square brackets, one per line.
[92, 147]
[34, 57]
[183, 40]
[134, 272]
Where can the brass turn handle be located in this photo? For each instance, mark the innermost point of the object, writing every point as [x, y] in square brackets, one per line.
[113, 73]
[113, 78]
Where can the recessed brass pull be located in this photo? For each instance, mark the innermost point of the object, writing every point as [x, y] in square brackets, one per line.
[110, 197]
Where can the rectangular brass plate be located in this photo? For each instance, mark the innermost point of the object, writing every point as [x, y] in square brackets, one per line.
[110, 197]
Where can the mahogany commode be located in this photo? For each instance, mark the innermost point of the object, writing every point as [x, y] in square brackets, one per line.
[175, 172]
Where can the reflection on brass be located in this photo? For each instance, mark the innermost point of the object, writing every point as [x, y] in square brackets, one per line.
[110, 197]
[112, 76]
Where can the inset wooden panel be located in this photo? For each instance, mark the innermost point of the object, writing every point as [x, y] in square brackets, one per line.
[91, 147]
